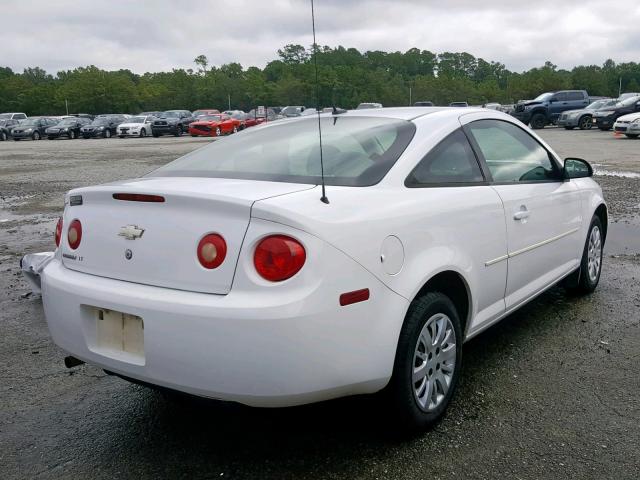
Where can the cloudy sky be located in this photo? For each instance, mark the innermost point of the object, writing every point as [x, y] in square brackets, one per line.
[155, 35]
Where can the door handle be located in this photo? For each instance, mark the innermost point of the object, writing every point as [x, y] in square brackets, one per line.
[521, 214]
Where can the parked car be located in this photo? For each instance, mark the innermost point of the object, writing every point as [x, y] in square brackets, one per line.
[12, 116]
[583, 119]
[33, 128]
[83, 115]
[102, 126]
[236, 281]
[68, 127]
[254, 118]
[172, 122]
[459, 104]
[547, 107]
[366, 106]
[493, 106]
[205, 111]
[292, 111]
[6, 125]
[423, 104]
[628, 124]
[149, 114]
[214, 126]
[239, 116]
[626, 95]
[605, 118]
[138, 126]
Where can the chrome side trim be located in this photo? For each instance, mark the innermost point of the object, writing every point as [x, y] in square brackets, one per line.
[530, 247]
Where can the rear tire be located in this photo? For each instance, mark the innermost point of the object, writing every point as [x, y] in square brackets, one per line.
[591, 263]
[72, 135]
[218, 132]
[36, 135]
[107, 133]
[427, 363]
[3, 136]
[538, 121]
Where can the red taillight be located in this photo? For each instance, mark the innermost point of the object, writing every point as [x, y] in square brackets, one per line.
[212, 250]
[74, 234]
[58, 231]
[138, 197]
[279, 257]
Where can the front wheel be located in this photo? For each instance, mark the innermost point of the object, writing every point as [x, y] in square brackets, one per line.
[178, 131]
[538, 121]
[427, 363]
[72, 135]
[3, 136]
[143, 133]
[585, 123]
[235, 129]
[107, 133]
[36, 135]
[218, 132]
[591, 263]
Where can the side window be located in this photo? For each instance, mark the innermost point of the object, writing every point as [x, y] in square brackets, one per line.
[451, 161]
[512, 155]
[560, 97]
[574, 96]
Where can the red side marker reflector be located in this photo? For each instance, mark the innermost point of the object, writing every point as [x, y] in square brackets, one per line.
[138, 197]
[354, 297]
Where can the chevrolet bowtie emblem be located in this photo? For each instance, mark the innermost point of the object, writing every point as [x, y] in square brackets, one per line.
[131, 232]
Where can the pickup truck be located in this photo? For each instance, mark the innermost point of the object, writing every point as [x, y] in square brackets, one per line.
[547, 107]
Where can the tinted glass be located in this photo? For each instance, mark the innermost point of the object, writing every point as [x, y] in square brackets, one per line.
[451, 161]
[512, 155]
[572, 96]
[560, 97]
[357, 151]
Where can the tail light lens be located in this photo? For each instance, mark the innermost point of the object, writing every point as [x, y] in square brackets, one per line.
[74, 234]
[212, 250]
[58, 231]
[279, 257]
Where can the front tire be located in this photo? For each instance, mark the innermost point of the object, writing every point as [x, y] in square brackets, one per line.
[107, 133]
[143, 133]
[538, 121]
[36, 136]
[72, 135]
[178, 131]
[591, 263]
[218, 132]
[3, 136]
[585, 123]
[427, 363]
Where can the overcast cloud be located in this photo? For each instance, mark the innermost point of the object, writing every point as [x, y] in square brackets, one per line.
[162, 34]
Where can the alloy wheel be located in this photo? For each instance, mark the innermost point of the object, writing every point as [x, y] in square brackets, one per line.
[434, 362]
[594, 254]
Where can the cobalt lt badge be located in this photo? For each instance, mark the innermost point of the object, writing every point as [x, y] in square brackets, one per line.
[128, 254]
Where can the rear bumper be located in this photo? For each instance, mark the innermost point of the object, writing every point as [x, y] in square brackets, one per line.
[261, 349]
[568, 122]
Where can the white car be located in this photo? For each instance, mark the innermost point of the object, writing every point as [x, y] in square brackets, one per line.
[227, 274]
[138, 126]
[628, 124]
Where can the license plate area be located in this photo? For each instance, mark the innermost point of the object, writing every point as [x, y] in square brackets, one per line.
[117, 335]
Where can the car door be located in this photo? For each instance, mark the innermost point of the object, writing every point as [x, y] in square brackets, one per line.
[558, 104]
[461, 214]
[542, 211]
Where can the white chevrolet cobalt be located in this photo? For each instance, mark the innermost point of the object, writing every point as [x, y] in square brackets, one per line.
[224, 275]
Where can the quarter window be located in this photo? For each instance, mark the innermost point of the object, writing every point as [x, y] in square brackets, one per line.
[451, 161]
[511, 154]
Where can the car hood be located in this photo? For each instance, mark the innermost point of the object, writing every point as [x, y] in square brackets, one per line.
[630, 117]
[208, 123]
[167, 119]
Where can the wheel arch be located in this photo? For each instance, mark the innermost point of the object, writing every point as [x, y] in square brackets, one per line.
[452, 284]
[602, 213]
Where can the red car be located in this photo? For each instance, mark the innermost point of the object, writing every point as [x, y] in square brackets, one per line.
[205, 111]
[214, 126]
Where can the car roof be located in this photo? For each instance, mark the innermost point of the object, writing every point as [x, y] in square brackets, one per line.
[407, 113]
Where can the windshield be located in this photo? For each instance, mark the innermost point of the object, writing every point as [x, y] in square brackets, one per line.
[357, 151]
[290, 110]
[67, 122]
[170, 114]
[543, 97]
[29, 121]
[6, 115]
[136, 120]
[209, 118]
[628, 102]
[601, 103]
[101, 121]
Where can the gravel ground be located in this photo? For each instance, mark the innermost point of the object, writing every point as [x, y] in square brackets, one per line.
[550, 392]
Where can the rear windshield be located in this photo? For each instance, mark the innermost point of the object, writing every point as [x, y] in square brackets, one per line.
[357, 151]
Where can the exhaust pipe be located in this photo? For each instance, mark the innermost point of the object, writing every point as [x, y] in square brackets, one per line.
[71, 362]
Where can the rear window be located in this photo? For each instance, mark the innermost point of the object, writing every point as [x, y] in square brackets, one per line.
[357, 151]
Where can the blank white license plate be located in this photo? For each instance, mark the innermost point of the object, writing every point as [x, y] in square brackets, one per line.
[117, 331]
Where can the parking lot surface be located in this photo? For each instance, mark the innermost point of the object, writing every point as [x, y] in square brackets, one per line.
[551, 392]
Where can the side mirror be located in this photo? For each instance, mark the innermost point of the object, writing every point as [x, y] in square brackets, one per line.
[577, 168]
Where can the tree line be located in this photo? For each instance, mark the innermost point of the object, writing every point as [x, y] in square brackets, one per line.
[346, 78]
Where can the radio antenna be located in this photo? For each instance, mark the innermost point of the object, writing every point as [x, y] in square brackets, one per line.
[323, 198]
